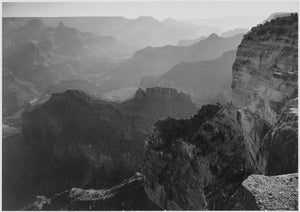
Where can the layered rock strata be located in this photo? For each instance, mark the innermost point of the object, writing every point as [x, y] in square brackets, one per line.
[186, 163]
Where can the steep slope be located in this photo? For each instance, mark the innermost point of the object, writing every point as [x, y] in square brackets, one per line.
[279, 149]
[195, 163]
[75, 140]
[206, 81]
[156, 61]
[255, 133]
[265, 78]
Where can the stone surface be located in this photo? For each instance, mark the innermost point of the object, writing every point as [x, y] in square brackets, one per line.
[77, 140]
[265, 78]
[260, 192]
[195, 164]
[278, 152]
[266, 67]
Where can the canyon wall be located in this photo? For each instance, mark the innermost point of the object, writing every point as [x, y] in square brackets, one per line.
[197, 164]
[77, 140]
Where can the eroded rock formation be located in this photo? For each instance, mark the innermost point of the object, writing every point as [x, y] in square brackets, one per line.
[76, 140]
[196, 163]
[265, 78]
[186, 163]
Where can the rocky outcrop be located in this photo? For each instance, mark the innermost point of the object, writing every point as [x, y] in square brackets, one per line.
[278, 153]
[77, 140]
[128, 195]
[266, 67]
[195, 163]
[260, 192]
[265, 78]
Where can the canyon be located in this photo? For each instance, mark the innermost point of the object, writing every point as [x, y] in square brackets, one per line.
[261, 129]
[73, 137]
[74, 149]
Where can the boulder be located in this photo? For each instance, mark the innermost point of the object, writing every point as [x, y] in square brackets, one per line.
[260, 192]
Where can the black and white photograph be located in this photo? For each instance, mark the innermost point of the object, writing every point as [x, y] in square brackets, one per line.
[149, 105]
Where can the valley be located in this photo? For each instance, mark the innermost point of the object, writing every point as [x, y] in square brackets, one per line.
[116, 113]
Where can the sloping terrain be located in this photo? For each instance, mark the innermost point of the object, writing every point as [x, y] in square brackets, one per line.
[76, 140]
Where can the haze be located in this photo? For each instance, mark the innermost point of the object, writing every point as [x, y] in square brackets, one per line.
[159, 10]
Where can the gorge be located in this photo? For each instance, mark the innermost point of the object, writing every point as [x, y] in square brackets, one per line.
[211, 125]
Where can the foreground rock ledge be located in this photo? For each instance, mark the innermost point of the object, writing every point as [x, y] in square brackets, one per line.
[259, 192]
[128, 195]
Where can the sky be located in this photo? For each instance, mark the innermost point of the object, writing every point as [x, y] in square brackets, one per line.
[159, 10]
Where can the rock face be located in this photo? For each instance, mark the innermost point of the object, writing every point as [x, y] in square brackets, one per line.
[195, 163]
[279, 149]
[206, 81]
[266, 67]
[265, 78]
[128, 195]
[76, 140]
[260, 192]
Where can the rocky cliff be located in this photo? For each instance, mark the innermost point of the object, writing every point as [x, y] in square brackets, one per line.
[196, 163]
[201, 162]
[77, 140]
[265, 78]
